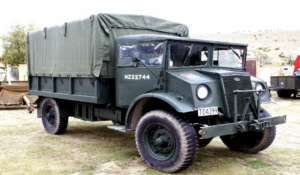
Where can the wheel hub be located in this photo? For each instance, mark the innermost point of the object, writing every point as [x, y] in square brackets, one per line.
[160, 142]
[50, 116]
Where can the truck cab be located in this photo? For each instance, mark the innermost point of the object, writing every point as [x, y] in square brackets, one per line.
[181, 90]
[189, 75]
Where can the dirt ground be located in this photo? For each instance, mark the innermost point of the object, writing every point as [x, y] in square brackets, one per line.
[91, 148]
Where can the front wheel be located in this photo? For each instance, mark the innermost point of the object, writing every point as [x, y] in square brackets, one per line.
[166, 142]
[251, 142]
[52, 121]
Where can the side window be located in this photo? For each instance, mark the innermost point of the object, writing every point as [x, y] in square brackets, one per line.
[151, 54]
[125, 51]
[125, 55]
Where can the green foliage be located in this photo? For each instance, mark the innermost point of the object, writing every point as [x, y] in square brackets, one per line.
[277, 48]
[289, 59]
[13, 44]
[281, 55]
[276, 40]
[265, 49]
[260, 48]
[264, 58]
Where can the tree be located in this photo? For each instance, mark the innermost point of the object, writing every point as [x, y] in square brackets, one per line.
[13, 44]
[262, 57]
[290, 59]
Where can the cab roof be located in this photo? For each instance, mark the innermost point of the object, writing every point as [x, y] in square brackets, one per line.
[129, 39]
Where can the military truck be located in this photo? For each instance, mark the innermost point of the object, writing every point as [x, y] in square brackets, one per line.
[146, 75]
[285, 85]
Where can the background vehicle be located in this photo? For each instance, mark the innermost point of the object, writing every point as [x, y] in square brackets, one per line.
[176, 93]
[285, 85]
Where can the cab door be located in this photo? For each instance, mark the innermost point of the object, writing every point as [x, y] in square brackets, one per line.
[134, 79]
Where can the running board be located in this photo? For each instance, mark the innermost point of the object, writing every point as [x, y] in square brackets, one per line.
[120, 128]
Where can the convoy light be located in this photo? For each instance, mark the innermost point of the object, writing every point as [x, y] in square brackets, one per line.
[202, 133]
[202, 92]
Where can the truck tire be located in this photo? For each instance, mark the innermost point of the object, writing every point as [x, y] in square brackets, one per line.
[52, 121]
[204, 142]
[166, 142]
[251, 142]
[284, 94]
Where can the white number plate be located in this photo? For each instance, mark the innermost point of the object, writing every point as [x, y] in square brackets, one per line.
[208, 111]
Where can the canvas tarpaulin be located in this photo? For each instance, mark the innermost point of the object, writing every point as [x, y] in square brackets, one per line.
[13, 94]
[86, 47]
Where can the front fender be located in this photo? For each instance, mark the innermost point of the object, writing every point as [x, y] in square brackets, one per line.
[179, 104]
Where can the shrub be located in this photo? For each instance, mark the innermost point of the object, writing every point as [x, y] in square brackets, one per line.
[281, 55]
[265, 49]
[277, 48]
[289, 59]
[262, 57]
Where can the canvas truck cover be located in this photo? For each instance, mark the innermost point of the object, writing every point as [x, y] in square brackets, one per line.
[86, 47]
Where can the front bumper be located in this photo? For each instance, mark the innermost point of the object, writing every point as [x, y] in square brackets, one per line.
[257, 125]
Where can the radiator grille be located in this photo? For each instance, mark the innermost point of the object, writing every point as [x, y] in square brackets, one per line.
[244, 84]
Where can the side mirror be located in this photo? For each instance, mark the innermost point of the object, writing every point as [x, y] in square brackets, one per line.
[136, 56]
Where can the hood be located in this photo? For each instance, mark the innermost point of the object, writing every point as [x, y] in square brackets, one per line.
[191, 76]
[185, 83]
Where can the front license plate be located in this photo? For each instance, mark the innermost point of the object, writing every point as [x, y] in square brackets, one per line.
[208, 111]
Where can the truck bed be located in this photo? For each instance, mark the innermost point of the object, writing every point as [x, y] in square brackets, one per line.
[90, 90]
[285, 82]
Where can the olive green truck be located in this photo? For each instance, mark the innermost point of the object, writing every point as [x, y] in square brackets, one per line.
[146, 75]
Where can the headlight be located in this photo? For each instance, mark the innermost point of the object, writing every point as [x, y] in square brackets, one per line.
[202, 92]
[259, 86]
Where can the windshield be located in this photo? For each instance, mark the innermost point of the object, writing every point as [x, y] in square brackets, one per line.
[228, 57]
[184, 54]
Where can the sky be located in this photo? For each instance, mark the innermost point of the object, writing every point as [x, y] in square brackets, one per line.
[202, 17]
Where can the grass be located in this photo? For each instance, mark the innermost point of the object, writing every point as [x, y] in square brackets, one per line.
[259, 164]
[90, 148]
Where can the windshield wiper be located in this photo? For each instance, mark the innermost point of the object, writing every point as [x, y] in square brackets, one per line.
[189, 52]
[236, 53]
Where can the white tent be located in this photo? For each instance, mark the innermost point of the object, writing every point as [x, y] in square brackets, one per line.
[2, 74]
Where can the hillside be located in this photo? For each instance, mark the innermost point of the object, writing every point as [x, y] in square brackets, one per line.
[278, 46]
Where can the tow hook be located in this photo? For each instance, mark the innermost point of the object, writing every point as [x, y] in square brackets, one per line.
[240, 128]
[259, 126]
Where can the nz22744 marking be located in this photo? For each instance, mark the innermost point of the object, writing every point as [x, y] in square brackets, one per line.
[137, 77]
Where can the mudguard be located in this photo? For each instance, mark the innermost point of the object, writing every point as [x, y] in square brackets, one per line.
[180, 104]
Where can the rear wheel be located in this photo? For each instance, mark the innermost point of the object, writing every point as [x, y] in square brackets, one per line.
[52, 121]
[166, 142]
[251, 142]
[284, 94]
